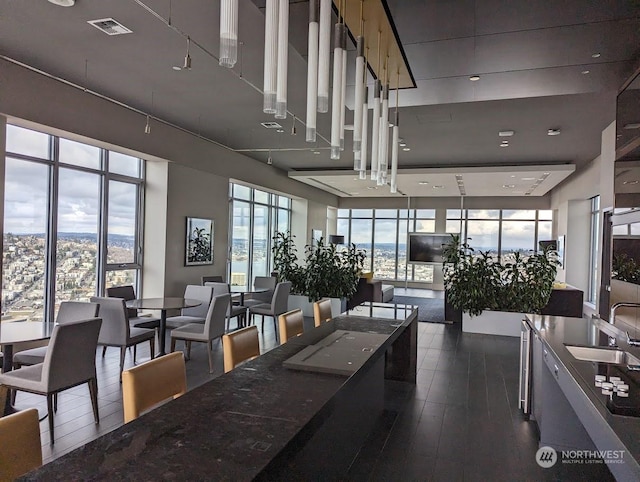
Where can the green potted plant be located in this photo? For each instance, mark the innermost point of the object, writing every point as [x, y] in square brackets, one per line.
[326, 273]
[476, 283]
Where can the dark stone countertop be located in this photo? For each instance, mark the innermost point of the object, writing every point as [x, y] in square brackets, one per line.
[232, 427]
[621, 430]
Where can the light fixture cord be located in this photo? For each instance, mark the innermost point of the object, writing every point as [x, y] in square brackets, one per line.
[379, 53]
[361, 18]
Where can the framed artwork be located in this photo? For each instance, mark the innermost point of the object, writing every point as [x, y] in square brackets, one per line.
[199, 245]
[561, 250]
[316, 235]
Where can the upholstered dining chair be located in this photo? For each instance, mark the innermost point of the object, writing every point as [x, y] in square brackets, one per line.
[70, 361]
[67, 312]
[213, 328]
[278, 305]
[128, 293]
[235, 311]
[151, 383]
[197, 314]
[239, 346]
[263, 282]
[322, 311]
[116, 330]
[291, 324]
[211, 279]
[20, 446]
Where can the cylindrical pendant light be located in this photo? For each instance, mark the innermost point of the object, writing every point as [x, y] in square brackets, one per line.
[228, 33]
[312, 72]
[359, 95]
[394, 155]
[324, 55]
[383, 153]
[270, 56]
[283, 60]
[365, 126]
[375, 130]
[343, 88]
[338, 33]
[356, 161]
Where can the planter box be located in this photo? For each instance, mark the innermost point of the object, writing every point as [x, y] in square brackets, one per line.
[493, 323]
[338, 305]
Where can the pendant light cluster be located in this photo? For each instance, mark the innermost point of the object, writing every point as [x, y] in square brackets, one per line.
[276, 51]
[228, 33]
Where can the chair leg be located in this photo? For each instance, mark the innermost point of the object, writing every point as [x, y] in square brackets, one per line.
[173, 344]
[55, 403]
[104, 351]
[188, 350]
[93, 391]
[50, 414]
[13, 396]
[122, 353]
[262, 330]
[135, 351]
[210, 353]
[275, 326]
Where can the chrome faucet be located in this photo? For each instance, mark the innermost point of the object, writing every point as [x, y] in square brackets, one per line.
[612, 317]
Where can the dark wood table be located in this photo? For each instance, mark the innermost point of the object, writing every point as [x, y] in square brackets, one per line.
[242, 290]
[162, 304]
[260, 420]
[14, 333]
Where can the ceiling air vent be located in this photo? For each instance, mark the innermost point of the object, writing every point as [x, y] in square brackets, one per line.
[109, 26]
[271, 125]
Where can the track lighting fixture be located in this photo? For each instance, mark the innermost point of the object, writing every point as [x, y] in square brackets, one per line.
[147, 127]
[187, 57]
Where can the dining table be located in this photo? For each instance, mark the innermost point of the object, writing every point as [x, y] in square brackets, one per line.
[163, 304]
[12, 334]
[242, 291]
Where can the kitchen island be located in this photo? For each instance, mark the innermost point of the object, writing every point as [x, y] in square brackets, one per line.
[261, 420]
[567, 404]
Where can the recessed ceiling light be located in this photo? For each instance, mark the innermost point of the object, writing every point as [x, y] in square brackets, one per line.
[280, 131]
[527, 178]
[406, 149]
[177, 68]
[505, 142]
[437, 186]
[402, 144]
[553, 132]
[585, 72]
[633, 125]
[504, 145]
[506, 133]
[508, 186]
[316, 152]
[631, 182]
[595, 55]
[474, 78]
[63, 3]
[355, 193]
[423, 183]
[512, 175]
[372, 187]
[271, 125]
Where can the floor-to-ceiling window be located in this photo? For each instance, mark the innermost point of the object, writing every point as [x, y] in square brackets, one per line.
[71, 222]
[383, 234]
[255, 217]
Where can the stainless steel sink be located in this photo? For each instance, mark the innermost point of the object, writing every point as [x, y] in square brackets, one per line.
[603, 355]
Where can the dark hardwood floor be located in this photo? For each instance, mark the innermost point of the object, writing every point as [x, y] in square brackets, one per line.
[460, 422]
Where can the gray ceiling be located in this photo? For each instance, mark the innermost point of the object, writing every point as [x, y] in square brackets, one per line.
[530, 55]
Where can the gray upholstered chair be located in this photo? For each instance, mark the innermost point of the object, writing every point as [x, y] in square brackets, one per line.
[116, 330]
[234, 310]
[197, 314]
[127, 293]
[265, 282]
[211, 279]
[279, 304]
[70, 361]
[69, 311]
[213, 328]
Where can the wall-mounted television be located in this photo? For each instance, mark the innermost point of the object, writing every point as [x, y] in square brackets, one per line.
[427, 248]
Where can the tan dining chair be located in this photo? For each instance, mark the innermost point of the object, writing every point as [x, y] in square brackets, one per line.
[291, 324]
[67, 312]
[196, 314]
[279, 304]
[70, 361]
[116, 330]
[213, 328]
[322, 311]
[239, 346]
[128, 293]
[20, 446]
[151, 383]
